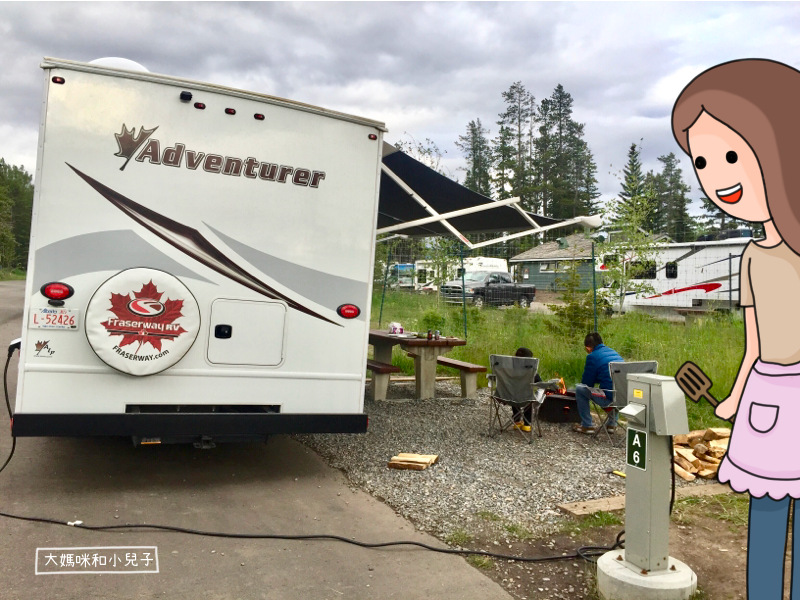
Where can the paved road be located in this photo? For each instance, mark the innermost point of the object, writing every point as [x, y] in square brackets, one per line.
[279, 487]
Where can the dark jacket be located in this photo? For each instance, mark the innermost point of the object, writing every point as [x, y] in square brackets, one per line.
[596, 369]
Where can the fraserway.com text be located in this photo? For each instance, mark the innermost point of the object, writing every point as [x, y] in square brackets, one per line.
[139, 357]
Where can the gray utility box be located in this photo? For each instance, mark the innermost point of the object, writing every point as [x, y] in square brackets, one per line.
[656, 410]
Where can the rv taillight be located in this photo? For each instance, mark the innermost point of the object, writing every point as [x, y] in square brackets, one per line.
[372, 136]
[58, 80]
[57, 291]
[230, 111]
[348, 311]
[258, 117]
[200, 105]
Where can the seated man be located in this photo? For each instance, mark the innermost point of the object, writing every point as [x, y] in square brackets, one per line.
[595, 371]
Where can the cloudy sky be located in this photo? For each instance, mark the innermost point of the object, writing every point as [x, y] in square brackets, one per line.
[422, 68]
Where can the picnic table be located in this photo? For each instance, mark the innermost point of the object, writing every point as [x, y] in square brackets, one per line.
[426, 352]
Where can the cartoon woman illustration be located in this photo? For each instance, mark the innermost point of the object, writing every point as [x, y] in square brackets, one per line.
[739, 123]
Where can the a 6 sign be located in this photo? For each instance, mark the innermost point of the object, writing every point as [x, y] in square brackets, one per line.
[637, 449]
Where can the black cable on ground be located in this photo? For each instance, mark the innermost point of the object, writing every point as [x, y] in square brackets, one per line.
[585, 552]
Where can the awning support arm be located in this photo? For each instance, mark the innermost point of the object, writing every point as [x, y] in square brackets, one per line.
[425, 205]
[512, 236]
[451, 215]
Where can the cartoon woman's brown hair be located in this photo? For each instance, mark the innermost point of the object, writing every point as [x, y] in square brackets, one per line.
[758, 99]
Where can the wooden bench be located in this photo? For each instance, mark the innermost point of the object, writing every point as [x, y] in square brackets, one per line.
[468, 372]
[380, 377]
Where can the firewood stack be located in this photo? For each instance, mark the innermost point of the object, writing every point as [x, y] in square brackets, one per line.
[699, 453]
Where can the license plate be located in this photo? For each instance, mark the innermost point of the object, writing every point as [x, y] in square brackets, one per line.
[54, 318]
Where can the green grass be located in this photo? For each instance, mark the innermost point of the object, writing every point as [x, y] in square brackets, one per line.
[481, 562]
[716, 344]
[732, 509]
[598, 519]
[459, 537]
[12, 274]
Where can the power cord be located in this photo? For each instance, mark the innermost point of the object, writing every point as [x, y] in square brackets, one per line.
[587, 553]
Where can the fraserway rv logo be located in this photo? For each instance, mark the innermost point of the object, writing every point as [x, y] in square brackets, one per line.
[143, 147]
[144, 319]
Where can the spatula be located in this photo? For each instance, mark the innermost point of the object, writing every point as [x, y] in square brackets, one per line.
[695, 384]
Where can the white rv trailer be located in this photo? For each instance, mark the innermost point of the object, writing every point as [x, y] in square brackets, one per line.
[428, 271]
[701, 275]
[173, 289]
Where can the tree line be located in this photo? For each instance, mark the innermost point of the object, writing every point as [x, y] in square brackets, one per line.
[16, 203]
[540, 155]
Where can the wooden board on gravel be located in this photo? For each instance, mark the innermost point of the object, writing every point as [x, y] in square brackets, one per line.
[415, 462]
[588, 507]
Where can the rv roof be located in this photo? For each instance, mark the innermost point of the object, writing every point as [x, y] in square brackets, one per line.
[59, 63]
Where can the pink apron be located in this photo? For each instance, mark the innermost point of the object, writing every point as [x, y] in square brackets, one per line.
[764, 451]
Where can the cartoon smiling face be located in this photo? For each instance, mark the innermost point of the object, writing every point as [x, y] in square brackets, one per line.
[728, 169]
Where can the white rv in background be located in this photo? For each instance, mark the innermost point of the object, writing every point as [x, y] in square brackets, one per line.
[174, 290]
[428, 272]
[700, 275]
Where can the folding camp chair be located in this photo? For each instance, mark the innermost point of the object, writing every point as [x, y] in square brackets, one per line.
[511, 386]
[619, 380]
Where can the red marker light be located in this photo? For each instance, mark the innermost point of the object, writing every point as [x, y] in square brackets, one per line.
[258, 117]
[58, 80]
[200, 105]
[372, 136]
[230, 111]
[348, 311]
[57, 291]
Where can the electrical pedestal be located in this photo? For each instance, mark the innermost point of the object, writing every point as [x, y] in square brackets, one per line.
[656, 410]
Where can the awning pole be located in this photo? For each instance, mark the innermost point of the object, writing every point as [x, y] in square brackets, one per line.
[513, 236]
[451, 215]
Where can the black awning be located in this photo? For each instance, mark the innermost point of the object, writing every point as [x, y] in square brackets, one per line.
[443, 195]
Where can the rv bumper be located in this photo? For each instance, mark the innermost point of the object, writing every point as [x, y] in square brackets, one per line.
[184, 424]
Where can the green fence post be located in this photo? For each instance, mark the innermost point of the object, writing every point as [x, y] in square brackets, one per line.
[385, 277]
[463, 292]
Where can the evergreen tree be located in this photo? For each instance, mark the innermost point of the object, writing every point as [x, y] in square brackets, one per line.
[520, 106]
[477, 152]
[504, 162]
[632, 194]
[673, 201]
[16, 186]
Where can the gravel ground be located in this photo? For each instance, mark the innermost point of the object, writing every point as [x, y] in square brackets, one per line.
[503, 476]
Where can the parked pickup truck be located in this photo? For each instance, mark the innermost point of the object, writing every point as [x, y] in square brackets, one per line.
[488, 287]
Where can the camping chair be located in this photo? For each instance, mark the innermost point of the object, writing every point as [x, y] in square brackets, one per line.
[511, 386]
[619, 380]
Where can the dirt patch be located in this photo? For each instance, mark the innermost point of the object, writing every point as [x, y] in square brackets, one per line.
[709, 534]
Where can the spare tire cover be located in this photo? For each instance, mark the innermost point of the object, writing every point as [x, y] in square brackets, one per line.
[142, 321]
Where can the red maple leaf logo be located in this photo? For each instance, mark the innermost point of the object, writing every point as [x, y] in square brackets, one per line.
[144, 318]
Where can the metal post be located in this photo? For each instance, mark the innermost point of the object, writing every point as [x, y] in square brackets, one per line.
[594, 287]
[730, 282]
[385, 278]
[463, 292]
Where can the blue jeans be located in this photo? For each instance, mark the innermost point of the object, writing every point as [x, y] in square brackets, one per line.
[766, 549]
[583, 394]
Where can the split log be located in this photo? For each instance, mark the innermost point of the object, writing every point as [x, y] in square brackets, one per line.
[688, 456]
[709, 459]
[685, 464]
[683, 474]
[695, 437]
[716, 433]
[680, 440]
[707, 474]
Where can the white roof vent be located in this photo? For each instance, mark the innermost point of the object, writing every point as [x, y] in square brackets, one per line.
[119, 63]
